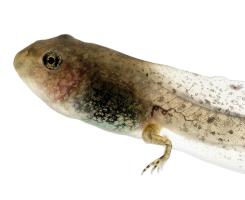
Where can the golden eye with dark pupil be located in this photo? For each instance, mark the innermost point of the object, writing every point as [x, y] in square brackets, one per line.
[52, 60]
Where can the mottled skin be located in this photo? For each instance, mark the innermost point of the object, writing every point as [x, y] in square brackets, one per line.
[121, 94]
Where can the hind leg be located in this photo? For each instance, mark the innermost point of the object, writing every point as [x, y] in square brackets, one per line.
[151, 134]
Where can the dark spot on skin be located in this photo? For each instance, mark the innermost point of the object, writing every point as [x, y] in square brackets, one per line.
[199, 126]
[157, 108]
[170, 114]
[161, 99]
[220, 139]
[207, 101]
[236, 87]
[147, 74]
[174, 91]
[212, 132]
[164, 112]
[230, 131]
[183, 105]
[179, 85]
[210, 119]
[154, 108]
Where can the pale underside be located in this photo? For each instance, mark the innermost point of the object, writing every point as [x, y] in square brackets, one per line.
[215, 93]
[232, 158]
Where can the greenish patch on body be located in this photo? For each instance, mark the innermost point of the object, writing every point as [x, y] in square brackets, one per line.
[110, 106]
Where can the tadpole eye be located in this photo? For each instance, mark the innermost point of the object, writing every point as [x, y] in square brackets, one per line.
[52, 60]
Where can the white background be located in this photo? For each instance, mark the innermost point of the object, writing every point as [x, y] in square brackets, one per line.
[44, 155]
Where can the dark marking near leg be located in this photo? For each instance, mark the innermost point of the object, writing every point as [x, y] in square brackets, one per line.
[230, 131]
[170, 112]
[210, 119]
[157, 108]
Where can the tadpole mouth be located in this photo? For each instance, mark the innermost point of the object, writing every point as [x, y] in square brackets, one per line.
[20, 58]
